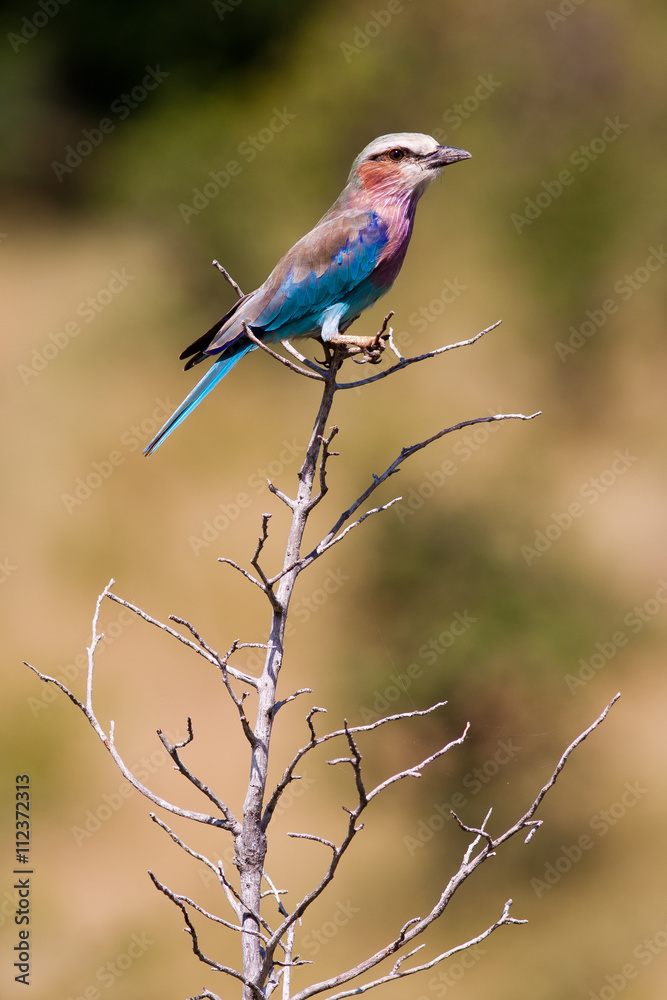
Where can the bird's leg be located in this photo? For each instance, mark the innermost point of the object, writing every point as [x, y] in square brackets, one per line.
[370, 347]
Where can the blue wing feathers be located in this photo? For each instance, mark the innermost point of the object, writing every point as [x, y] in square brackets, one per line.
[334, 264]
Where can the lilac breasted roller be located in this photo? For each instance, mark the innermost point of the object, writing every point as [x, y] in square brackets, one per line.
[337, 270]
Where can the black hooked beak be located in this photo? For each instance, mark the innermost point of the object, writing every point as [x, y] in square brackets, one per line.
[444, 155]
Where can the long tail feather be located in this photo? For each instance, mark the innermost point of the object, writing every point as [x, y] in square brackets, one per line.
[214, 375]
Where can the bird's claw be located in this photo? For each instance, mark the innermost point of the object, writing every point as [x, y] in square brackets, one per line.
[372, 353]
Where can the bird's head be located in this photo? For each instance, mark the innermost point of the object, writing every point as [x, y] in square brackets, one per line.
[402, 164]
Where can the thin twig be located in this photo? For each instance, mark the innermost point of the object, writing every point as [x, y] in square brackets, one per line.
[288, 774]
[227, 276]
[278, 357]
[242, 571]
[190, 928]
[215, 657]
[211, 657]
[109, 743]
[467, 867]
[332, 537]
[268, 586]
[287, 344]
[172, 749]
[406, 362]
[95, 639]
[325, 455]
[363, 800]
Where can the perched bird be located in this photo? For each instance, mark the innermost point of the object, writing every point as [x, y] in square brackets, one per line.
[337, 270]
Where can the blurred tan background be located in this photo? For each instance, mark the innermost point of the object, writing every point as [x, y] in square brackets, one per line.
[549, 539]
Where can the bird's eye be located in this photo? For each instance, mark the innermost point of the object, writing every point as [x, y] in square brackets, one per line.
[396, 154]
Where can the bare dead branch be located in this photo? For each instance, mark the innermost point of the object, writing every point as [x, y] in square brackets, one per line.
[363, 800]
[227, 276]
[355, 524]
[281, 496]
[398, 973]
[201, 650]
[262, 971]
[276, 893]
[332, 538]
[314, 710]
[188, 850]
[468, 866]
[278, 357]
[406, 362]
[407, 452]
[288, 774]
[238, 701]
[267, 585]
[415, 771]
[190, 929]
[95, 639]
[242, 571]
[480, 833]
[287, 344]
[109, 743]
[215, 657]
[326, 454]
[318, 840]
[292, 697]
[172, 749]
[392, 346]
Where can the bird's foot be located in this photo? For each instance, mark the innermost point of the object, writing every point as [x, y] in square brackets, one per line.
[371, 348]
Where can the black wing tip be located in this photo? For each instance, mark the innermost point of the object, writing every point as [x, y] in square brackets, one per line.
[195, 360]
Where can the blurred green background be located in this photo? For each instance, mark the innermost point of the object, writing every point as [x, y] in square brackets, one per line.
[118, 126]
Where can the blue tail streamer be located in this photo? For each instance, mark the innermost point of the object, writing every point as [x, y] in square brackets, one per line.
[214, 375]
